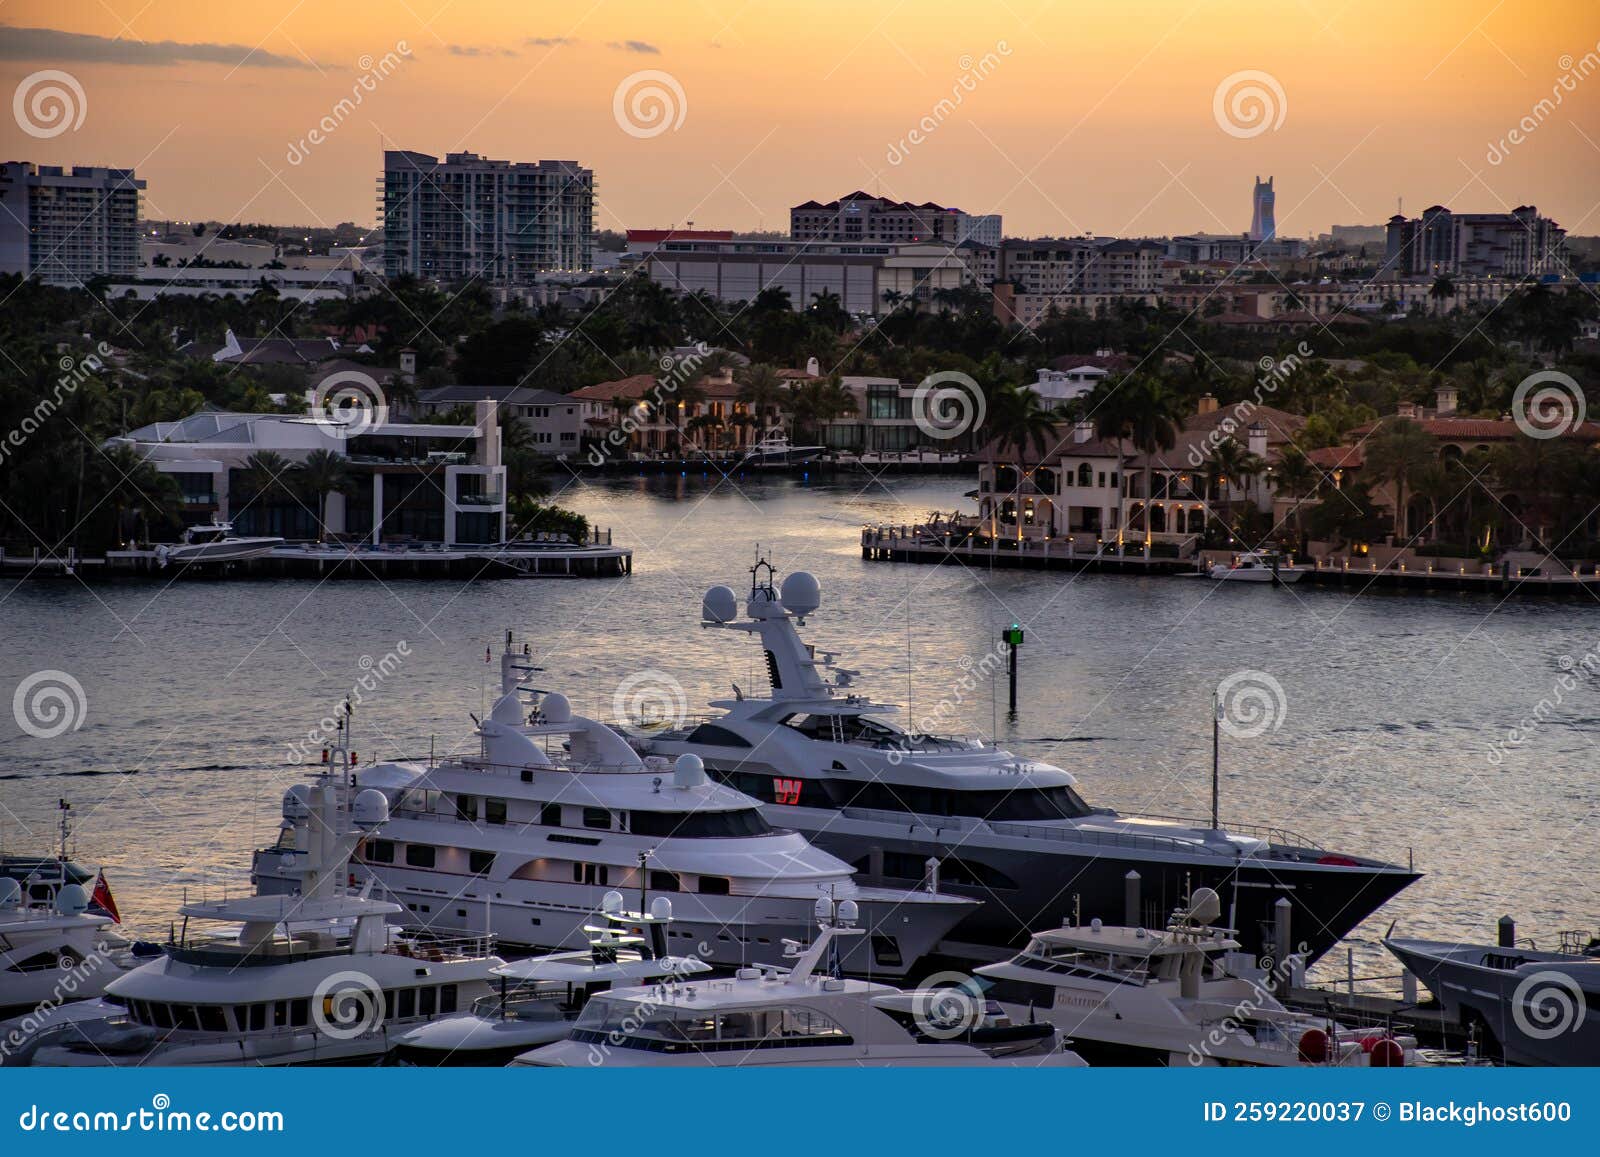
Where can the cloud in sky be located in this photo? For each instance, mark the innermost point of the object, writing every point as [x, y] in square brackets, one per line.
[549, 41]
[635, 46]
[50, 46]
[475, 50]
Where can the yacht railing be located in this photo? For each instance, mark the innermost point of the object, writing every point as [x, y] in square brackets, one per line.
[444, 949]
[938, 825]
[1270, 833]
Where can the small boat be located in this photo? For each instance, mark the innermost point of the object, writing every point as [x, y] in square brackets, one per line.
[1183, 996]
[1259, 566]
[801, 1017]
[540, 998]
[1537, 1006]
[215, 542]
[777, 453]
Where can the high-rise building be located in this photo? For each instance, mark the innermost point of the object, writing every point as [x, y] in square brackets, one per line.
[66, 227]
[863, 217]
[1516, 244]
[1263, 225]
[469, 217]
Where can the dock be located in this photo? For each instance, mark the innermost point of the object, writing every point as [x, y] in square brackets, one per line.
[600, 559]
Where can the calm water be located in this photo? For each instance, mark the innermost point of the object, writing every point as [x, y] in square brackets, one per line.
[196, 689]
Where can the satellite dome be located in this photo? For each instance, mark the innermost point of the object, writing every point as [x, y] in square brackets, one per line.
[720, 605]
[72, 900]
[612, 902]
[556, 708]
[1204, 906]
[688, 771]
[297, 802]
[508, 710]
[823, 909]
[802, 594]
[371, 808]
[661, 908]
[849, 912]
[10, 894]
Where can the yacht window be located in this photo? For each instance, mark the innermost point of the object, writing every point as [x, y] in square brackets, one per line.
[714, 885]
[550, 815]
[379, 852]
[212, 1018]
[714, 736]
[627, 1025]
[595, 874]
[258, 1017]
[388, 1004]
[1014, 804]
[427, 1001]
[183, 1016]
[466, 808]
[299, 1012]
[420, 855]
[160, 1014]
[479, 863]
[494, 811]
[664, 881]
[597, 817]
[447, 998]
[701, 825]
[408, 1003]
[280, 1014]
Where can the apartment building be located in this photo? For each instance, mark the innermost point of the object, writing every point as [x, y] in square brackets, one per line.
[65, 227]
[1517, 244]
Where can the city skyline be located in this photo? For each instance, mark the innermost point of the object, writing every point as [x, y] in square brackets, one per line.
[280, 114]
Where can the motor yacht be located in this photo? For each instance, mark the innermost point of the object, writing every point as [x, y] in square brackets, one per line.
[525, 838]
[1532, 1006]
[1259, 566]
[806, 1015]
[959, 813]
[1182, 996]
[317, 976]
[777, 453]
[214, 542]
[539, 998]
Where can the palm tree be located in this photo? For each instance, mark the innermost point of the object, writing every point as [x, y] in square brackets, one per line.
[1111, 409]
[1153, 428]
[1298, 479]
[1015, 420]
[267, 474]
[1399, 451]
[322, 473]
[1231, 466]
[134, 487]
[1441, 290]
[760, 389]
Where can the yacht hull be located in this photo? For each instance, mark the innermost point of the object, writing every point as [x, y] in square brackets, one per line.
[1049, 884]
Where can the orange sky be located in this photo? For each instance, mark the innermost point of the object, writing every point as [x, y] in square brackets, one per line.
[1091, 117]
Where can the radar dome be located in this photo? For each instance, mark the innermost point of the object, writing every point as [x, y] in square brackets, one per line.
[661, 908]
[612, 902]
[297, 802]
[556, 708]
[371, 808]
[720, 605]
[72, 900]
[1204, 906]
[823, 909]
[849, 913]
[802, 594]
[10, 894]
[688, 771]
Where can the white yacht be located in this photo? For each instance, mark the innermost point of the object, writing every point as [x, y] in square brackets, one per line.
[525, 838]
[777, 453]
[1010, 831]
[1183, 996]
[1259, 566]
[55, 952]
[539, 998]
[215, 542]
[315, 977]
[803, 1016]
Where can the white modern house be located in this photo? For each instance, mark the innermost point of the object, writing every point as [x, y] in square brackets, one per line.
[408, 482]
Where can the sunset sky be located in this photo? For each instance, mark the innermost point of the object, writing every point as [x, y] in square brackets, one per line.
[1076, 117]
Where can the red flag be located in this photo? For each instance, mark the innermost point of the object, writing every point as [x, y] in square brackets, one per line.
[102, 897]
